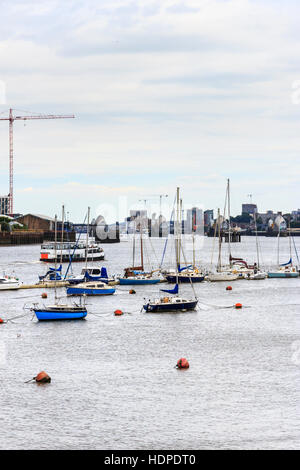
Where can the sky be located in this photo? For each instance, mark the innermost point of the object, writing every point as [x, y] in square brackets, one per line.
[165, 93]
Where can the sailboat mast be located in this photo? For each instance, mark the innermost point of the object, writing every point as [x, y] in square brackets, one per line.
[55, 254]
[194, 261]
[179, 231]
[62, 233]
[257, 250]
[177, 235]
[142, 254]
[278, 238]
[220, 242]
[87, 237]
[229, 225]
[290, 242]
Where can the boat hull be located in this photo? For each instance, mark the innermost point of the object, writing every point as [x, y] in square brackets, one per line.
[46, 315]
[137, 282]
[66, 258]
[219, 277]
[86, 291]
[184, 279]
[169, 307]
[283, 275]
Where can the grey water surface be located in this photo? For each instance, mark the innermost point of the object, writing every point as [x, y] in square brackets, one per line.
[114, 385]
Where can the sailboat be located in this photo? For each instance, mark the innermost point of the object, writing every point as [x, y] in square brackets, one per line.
[59, 311]
[90, 286]
[257, 273]
[285, 270]
[136, 275]
[172, 303]
[220, 274]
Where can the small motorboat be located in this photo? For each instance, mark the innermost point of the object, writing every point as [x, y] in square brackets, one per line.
[139, 279]
[284, 272]
[91, 274]
[185, 277]
[9, 283]
[256, 276]
[90, 288]
[221, 276]
[169, 304]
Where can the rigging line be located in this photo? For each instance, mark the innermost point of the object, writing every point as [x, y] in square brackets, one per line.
[293, 238]
[166, 242]
[156, 259]
[191, 282]
[75, 247]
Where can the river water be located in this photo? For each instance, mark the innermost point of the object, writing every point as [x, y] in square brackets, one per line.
[114, 385]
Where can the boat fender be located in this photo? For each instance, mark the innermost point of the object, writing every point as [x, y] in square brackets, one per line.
[132, 291]
[228, 288]
[182, 363]
[44, 295]
[42, 378]
[238, 305]
[118, 313]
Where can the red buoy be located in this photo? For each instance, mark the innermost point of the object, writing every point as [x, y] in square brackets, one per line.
[238, 305]
[183, 363]
[44, 295]
[1, 321]
[42, 378]
[228, 288]
[118, 312]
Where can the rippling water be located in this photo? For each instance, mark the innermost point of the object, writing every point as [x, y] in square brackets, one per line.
[114, 385]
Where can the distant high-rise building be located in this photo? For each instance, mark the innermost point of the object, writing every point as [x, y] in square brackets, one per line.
[208, 217]
[194, 220]
[4, 205]
[249, 209]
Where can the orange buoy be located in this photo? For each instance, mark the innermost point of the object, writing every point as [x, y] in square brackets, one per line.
[183, 363]
[118, 312]
[44, 295]
[228, 288]
[238, 305]
[132, 291]
[43, 378]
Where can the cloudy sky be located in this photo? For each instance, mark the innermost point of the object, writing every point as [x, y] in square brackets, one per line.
[166, 93]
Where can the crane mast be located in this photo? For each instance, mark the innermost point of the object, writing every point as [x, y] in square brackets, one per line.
[11, 118]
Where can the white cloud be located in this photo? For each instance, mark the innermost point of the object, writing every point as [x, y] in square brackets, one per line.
[170, 89]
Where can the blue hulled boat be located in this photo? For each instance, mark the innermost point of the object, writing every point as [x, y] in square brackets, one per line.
[91, 288]
[174, 302]
[138, 280]
[60, 312]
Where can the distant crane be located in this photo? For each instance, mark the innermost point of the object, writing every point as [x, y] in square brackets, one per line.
[11, 118]
[154, 196]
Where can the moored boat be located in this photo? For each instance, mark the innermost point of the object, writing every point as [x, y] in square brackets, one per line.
[90, 288]
[9, 283]
[284, 273]
[169, 304]
[75, 251]
[60, 312]
[221, 276]
[186, 277]
[91, 274]
[174, 302]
